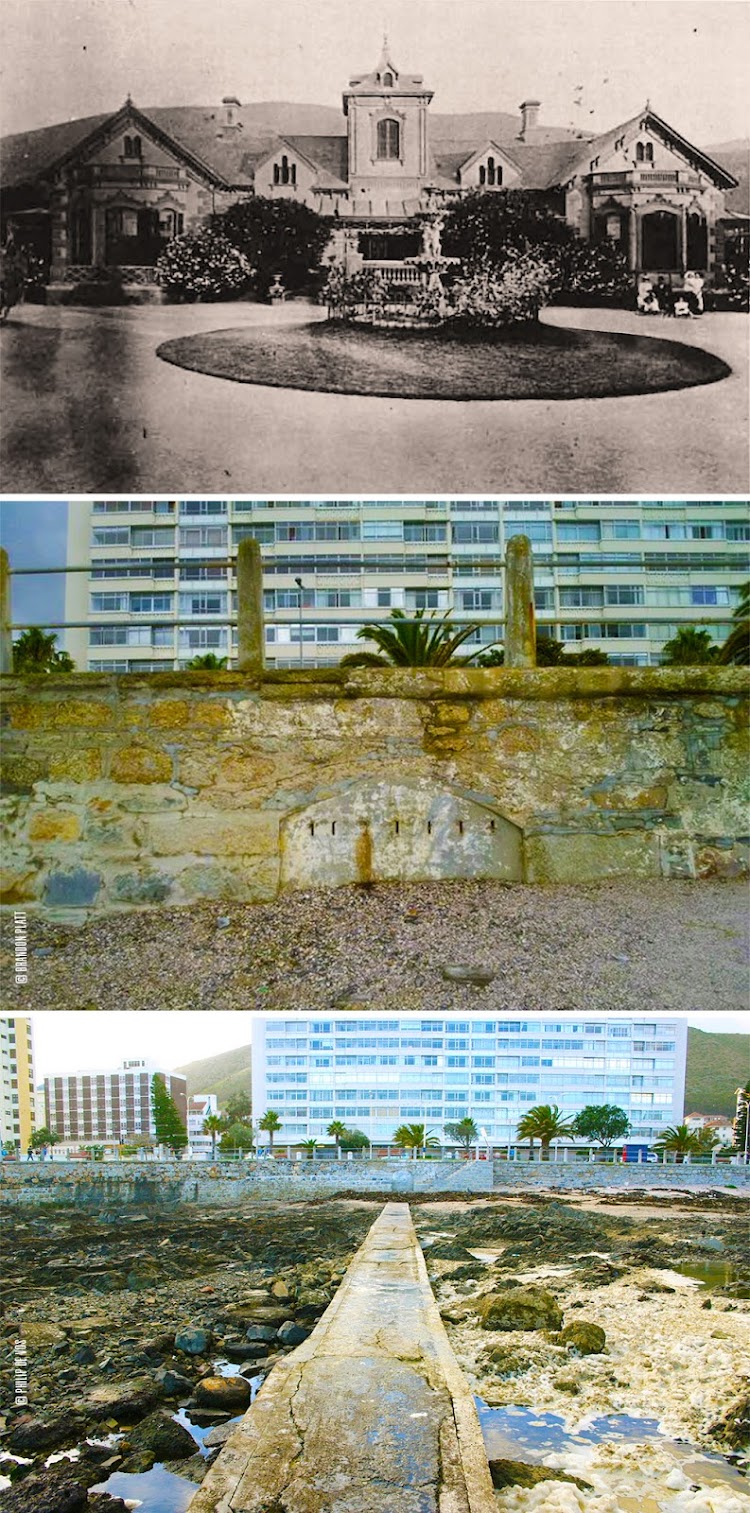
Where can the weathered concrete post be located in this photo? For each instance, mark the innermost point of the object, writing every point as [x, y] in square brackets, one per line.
[6, 638]
[250, 629]
[520, 626]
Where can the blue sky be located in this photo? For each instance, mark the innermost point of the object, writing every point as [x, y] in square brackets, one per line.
[34, 534]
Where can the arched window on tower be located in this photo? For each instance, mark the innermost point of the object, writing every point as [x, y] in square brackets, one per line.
[389, 139]
[388, 81]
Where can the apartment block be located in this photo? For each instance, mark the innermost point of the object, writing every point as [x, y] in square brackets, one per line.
[377, 1072]
[17, 1097]
[107, 1105]
[152, 584]
[199, 1107]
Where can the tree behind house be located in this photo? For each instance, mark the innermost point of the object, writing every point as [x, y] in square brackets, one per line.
[168, 1126]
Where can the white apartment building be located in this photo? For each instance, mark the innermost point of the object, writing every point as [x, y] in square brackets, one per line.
[17, 1096]
[157, 585]
[377, 1072]
[199, 1107]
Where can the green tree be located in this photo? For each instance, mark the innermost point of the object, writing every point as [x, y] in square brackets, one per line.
[545, 1124]
[550, 653]
[740, 1141]
[239, 1107]
[213, 1125]
[271, 1123]
[706, 1141]
[464, 1132]
[736, 648]
[278, 237]
[36, 652]
[238, 1137]
[337, 1129]
[168, 1126]
[309, 1147]
[44, 1136]
[412, 641]
[690, 647]
[677, 1138]
[414, 1137]
[602, 1123]
[208, 661]
[354, 1140]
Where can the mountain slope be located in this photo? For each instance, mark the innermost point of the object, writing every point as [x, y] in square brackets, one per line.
[716, 1066]
[225, 1074]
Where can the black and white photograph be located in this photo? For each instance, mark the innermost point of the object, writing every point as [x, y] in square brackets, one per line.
[494, 247]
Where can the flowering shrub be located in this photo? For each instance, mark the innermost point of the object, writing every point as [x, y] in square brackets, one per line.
[351, 294]
[595, 271]
[490, 296]
[203, 265]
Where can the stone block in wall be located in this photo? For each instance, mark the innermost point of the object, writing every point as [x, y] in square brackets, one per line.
[79, 766]
[140, 764]
[19, 883]
[74, 888]
[174, 714]
[214, 835]
[142, 887]
[54, 825]
[20, 771]
[582, 858]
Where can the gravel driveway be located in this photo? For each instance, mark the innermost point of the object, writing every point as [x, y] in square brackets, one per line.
[621, 946]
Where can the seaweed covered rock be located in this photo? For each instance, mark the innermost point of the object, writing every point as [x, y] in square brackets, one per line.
[584, 1338]
[518, 1473]
[520, 1308]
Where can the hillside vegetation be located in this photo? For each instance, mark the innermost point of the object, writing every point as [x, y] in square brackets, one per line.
[225, 1074]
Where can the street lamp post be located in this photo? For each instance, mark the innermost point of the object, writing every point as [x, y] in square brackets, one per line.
[298, 582]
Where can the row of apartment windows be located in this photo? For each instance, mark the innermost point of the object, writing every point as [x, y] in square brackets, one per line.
[463, 532]
[478, 600]
[320, 635]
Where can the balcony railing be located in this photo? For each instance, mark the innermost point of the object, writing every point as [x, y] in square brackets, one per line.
[138, 175]
[633, 177]
[394, 272]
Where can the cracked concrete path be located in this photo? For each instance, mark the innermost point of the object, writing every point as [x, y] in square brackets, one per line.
[371, 1414]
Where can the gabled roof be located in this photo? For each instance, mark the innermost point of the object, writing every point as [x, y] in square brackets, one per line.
[128, 116]
[700, 160]
[330, 155]
[489, 146]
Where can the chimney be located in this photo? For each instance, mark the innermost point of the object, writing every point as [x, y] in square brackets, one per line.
[232, 110]
[529, 117]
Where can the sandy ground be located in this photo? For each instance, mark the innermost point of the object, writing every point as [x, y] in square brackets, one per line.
[621, 946]
[89, 408]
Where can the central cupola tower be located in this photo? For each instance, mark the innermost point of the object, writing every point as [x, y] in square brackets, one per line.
[387, 122]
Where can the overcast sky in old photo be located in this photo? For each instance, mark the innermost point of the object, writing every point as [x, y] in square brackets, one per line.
[68, 58]
[81, 1041]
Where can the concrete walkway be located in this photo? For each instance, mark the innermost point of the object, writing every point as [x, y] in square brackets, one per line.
[88, 407]
[371, 1414]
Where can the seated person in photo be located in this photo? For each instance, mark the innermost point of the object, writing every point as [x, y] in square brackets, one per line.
[664, 296]
[646, 300]
[681, 304]
[694, 286]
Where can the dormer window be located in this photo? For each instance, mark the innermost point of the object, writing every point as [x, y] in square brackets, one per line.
[644, 152]
[389, 139]
[388, 81]
[132, 147]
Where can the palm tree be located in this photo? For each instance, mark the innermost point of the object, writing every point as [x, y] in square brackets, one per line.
[412, 642]
[689, 648]
[213, 1125]
[464, 1132]
[678, 1138]
[545, 1124]
[414, 1137]
[36, 652]
[336, 1128]
[310, 1146]
[736, 648]
[208, 660]
[271, 1123]
[706, 1141]
[740, 1141]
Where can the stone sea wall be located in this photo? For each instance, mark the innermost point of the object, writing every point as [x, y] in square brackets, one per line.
[128, 791]
[100, 1187]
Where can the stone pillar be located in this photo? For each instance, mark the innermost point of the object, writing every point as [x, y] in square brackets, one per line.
[520, 626]
[250, 631]
[6, 639]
